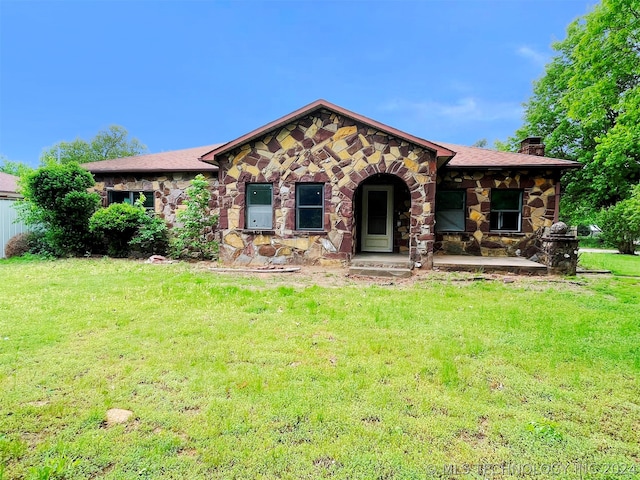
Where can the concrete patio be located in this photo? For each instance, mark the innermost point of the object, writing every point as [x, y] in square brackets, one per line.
[470, 263]
[399, 265]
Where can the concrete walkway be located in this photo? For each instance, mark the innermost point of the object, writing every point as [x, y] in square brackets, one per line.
[596, 250]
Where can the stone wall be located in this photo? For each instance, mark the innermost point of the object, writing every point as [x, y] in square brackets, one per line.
[168, 189]
[538, 210]
[326, 148]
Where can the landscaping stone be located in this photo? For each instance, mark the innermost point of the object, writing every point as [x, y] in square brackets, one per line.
[116, 416]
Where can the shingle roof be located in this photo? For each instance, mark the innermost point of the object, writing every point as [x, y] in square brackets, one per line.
[186, 160]
[8, 183]
[441, 151]
[482, 158]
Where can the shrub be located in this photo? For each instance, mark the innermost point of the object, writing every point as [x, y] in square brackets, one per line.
[56, 203]
[152, 236]
[117, 224]
[125, 228]
[18, 245]
[620, 223]
[195, 238]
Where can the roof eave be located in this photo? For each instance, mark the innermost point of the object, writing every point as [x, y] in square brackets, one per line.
[502, 167]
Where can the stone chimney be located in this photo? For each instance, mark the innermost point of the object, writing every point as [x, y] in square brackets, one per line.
[532, 146]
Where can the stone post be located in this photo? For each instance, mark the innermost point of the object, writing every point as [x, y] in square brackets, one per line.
[560, 249]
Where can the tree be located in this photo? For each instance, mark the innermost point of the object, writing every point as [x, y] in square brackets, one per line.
[620, 223]
[57, 204]
[195, 237]
[107, 144]
[13, 168]
[587, 107]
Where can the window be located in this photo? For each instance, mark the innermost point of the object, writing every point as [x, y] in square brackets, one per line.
[506, 208]
[117, 196]
[310, 206]
[450, 211]
[259, 206]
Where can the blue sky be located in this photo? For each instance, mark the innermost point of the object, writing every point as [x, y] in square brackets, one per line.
[180, 74]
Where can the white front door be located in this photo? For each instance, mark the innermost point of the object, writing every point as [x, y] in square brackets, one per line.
[377, 218]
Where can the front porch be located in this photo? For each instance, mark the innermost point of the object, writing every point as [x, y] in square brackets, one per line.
[470, 263]
[399, 265]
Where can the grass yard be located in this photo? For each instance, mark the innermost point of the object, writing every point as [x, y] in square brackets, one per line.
[617, 263]
[232, 376]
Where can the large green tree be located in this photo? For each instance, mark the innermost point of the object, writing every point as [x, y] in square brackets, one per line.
[113, 142]
[587, 107]
[13, 168]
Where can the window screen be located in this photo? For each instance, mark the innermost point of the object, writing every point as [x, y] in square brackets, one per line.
[450, 210]
[259, 206]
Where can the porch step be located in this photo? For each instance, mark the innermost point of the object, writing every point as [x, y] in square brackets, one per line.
[383, 265]
[380, 272]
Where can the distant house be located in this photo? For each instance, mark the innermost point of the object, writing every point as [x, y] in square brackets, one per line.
[324, 184]
[8, 215]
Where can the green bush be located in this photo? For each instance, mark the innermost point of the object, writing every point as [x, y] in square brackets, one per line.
[56, 204]
[152, 236]
[620, 223]
[195, 238]
[126, 228]
[117, 224]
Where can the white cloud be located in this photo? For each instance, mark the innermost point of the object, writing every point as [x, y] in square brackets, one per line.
[538, 58]
[465, 109]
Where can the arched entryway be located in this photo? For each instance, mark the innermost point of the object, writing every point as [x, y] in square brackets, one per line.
[382, 216]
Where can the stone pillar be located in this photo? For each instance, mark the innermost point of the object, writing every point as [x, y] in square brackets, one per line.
[560, 249]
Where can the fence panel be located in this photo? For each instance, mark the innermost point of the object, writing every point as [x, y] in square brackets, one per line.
[7, 226]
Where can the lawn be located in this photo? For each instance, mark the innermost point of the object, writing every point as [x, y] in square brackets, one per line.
[617, 263]
[232, 376]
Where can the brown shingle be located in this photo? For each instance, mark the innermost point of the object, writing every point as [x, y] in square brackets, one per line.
[482, 158]
[186, 160]
[8, 183]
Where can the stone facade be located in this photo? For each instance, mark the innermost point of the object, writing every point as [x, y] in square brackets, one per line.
[168, 189]
[539, 198]
[342, 154]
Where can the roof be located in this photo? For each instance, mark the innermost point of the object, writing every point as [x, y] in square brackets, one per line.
[186, 160]
[8, 184]
[441, 151]
[482, 158]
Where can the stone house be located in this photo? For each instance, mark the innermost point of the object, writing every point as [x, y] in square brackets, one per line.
[323, 184]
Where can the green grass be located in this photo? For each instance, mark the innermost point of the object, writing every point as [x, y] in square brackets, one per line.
[239, 377]
[592, 242]
[617, 263]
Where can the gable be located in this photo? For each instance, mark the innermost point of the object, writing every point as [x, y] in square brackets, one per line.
[443, 154]
[323, 141]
